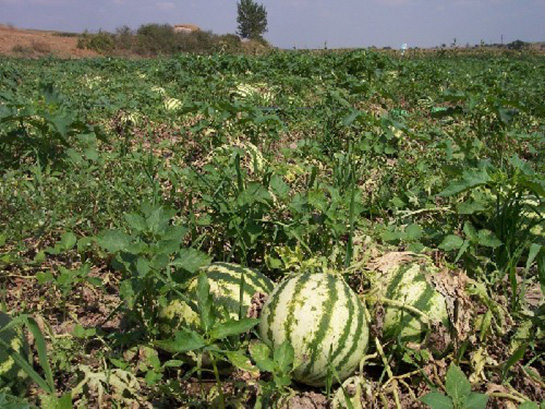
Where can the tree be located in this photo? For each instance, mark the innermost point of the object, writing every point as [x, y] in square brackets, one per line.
[251, 19]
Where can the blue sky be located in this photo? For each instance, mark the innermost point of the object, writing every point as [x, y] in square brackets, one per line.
[304, 23]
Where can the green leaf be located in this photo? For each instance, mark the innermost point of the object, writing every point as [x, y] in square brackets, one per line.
[142, 267]
[241, 361]
[175, 233]
[513, 359]
[261, 354]
[158, 218]
[347, 120]
[534, 251]
[54, 402]
[488, 239]
[173, 363]
[41, 349]
[184, 340]
[136, 222]
[113, 240]
[46, 384]
[470, 179]
[68, 240]
[436, 400]
[476, 401]
[451, 242]
[80, 332]
[281, 381]
[470, 207]
[232, 327]
[280, 188]
[284, 356]
[91, 153]
[191, 260]
[204, 301]
[470, 232]
[541, 269]
[7, 401]
[254, 193]
[457, 385]
[413, 232]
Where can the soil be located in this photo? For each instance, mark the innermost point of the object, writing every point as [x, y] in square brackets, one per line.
[35, 43]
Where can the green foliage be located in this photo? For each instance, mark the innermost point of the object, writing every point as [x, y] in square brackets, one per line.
[279, 363]
[101, 42]
[46, 383]
[217, 339]
[152, 259]
[46, 131]
[160, 39]
[251, 19]
[124, 179]
[459, 395]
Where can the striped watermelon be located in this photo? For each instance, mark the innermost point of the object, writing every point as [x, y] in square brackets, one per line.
[408, 283]
[172, 104]
[10, 374]
[323, 319]
[224, 280]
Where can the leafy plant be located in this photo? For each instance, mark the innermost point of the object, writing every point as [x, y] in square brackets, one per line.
[214, 334]
[459, 394]
[47, 130]
[503, 203]
[279, 363]
[50, 399]
[153, 260]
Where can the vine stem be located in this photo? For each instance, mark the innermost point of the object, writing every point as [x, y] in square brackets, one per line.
[506, 396]
[218, 381]
[399, 304]
[380, 351]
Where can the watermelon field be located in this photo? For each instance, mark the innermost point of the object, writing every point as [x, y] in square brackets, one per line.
[297, 229]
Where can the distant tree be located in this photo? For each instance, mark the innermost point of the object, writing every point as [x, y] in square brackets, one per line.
[251, 19]
[517, 45]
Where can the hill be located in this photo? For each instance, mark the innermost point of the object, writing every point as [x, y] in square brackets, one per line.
[36, 43]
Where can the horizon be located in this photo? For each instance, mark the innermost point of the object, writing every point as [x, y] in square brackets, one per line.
[301, 24]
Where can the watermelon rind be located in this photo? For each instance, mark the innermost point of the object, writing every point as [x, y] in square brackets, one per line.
[224, 280]
[325, 322]
[11, 375]
[409, 285]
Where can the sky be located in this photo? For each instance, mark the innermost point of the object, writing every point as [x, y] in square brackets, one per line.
[304, 23]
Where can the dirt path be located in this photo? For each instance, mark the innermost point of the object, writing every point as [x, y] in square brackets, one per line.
[33, 43]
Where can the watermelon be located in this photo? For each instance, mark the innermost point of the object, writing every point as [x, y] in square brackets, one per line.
[259, 92]
[172, 104]
[224, 280]
[409, 284]
[325, 322]
[11, 375]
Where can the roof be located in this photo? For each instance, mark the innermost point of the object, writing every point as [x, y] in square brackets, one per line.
[188, 26]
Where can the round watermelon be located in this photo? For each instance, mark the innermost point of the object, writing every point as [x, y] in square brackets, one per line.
[408, 284]
[172, 104]
[11, 375]
[325, 322]
[225, 281]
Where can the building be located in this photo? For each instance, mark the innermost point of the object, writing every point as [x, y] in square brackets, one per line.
[186, 28]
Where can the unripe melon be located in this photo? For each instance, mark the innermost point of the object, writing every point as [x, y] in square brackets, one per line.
[409, 284]
[225, 281]
[325, 322]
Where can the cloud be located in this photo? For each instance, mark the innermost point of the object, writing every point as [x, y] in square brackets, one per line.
[165, 5]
